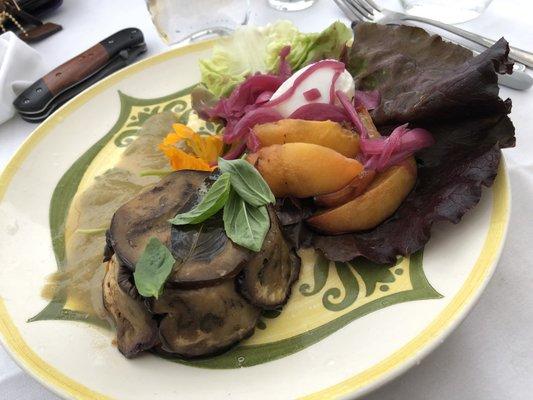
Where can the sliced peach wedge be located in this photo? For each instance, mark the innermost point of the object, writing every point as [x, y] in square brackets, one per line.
[304, 169]
[324, 133]
[349, 192]
[382, 198]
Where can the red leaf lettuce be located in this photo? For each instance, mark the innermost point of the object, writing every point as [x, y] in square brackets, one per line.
[441, 87]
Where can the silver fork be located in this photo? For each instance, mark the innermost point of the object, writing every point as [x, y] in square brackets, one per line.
[368, 10]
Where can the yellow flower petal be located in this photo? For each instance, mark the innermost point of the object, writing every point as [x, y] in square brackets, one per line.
[183, 130]
[212, 148]
[181, 160]
[205, 149]
[191, 138]
[171, 139]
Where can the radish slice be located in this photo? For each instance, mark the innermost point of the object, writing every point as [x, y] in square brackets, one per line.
[333, 86]
[325, 76]
[302, 76]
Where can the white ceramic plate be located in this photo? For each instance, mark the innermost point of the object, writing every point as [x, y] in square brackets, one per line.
[346, 329]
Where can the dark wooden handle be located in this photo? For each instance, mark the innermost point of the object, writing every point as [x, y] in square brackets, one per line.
[76, 69]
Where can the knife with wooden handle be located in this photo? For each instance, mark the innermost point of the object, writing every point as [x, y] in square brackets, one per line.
[43, 96]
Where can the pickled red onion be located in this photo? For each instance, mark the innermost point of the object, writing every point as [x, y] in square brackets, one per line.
[312, 94]
[320, 112]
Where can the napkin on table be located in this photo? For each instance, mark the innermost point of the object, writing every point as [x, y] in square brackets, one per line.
[20, 66]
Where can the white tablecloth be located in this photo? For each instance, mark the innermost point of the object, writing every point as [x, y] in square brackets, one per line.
[490, 356]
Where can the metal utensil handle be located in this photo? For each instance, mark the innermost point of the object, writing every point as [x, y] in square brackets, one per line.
[520, 55]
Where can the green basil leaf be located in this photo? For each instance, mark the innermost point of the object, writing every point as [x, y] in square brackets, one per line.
[247, 182]
[153, 268]
[245, 224]
[212, 202]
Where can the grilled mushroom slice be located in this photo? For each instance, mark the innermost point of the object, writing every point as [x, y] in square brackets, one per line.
[204, 254]
[267, 278]
[136, 328]
[216, 290]
[147, 214]
[126, 282]
[205, 321]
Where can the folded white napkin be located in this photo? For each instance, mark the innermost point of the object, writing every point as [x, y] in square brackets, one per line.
[20, 66]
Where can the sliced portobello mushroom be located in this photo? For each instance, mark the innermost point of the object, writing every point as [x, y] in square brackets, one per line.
[204, 254]
[205, 321]
[126, 282]
[267, 279]
[147, 214]
[136, 327]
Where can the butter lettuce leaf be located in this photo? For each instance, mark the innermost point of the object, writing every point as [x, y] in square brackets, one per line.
[256, 49]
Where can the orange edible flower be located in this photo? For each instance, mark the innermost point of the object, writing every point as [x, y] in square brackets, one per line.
[202, 151]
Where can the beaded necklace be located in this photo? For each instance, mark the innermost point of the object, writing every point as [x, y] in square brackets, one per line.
[6, 15]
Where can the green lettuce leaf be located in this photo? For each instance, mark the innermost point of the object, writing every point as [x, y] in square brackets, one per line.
[256, 49]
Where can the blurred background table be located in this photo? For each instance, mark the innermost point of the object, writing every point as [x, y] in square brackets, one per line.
[490, 356]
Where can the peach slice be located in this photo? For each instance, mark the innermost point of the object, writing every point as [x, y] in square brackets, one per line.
[324, 133]
[380, 201]
[349, 192]
[304, 169]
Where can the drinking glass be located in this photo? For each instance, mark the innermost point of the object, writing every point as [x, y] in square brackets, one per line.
[448, 11]
[190, 20]
[291, 5]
